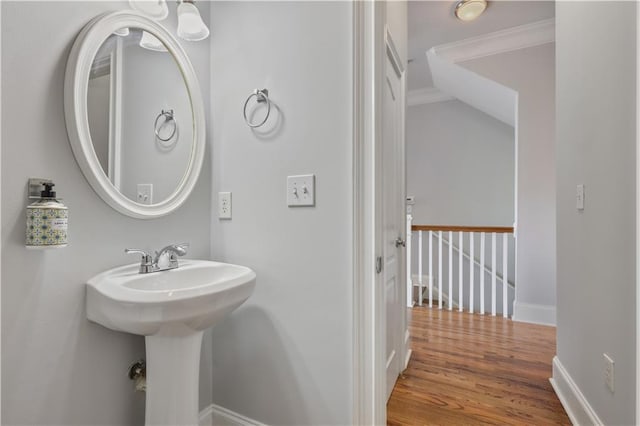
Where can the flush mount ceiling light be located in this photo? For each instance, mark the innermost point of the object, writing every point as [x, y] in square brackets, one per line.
[191, 27]
[468, 10]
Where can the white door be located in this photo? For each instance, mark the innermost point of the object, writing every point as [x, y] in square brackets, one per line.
[393, 218]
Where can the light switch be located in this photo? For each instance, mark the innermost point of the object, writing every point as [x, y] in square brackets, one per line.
[580, 197]
[301, 190]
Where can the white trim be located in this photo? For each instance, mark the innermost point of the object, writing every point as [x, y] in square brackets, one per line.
[427, 95]
[637, 215]
[572, 399]
[535, 314]
[436, 293]
[369, 405]
[516, 38]
[76, 77]
[220, 416]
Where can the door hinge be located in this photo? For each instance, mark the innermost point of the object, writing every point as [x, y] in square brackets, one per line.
[378, 264]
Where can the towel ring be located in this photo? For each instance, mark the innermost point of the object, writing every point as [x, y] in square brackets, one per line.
[168, 116]
[261, 96]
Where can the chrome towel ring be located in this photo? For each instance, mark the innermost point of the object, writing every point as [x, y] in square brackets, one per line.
[168, 118]
[261, 97]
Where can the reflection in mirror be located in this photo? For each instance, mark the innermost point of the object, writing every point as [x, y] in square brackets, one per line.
[134, 82]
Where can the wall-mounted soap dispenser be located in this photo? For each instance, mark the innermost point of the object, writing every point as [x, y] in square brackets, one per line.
[46, 218]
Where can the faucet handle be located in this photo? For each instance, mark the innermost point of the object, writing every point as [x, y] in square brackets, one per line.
[181, 249]
[146, 257]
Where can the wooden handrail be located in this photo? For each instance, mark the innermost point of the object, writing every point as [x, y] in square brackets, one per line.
[457, 228]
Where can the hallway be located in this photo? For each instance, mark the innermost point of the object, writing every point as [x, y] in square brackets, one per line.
[469, 369]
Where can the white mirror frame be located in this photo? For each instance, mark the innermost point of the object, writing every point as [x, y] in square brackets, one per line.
[76, 81]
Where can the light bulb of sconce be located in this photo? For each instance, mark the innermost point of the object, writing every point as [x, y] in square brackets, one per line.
[150, 42]
[155, 9]
[191, 27]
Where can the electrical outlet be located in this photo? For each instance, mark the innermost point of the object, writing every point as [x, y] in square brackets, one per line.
[609, 372]
[224, 205]
[145, 193]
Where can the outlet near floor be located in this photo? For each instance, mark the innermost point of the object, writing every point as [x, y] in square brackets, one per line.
[609, 372]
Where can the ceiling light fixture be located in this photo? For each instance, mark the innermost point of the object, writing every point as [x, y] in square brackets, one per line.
[468, 10]
[191, 27]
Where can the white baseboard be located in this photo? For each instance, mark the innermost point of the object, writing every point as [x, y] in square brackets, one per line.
[536, 314]
[220, 416]
[573, 401]
[434, 290]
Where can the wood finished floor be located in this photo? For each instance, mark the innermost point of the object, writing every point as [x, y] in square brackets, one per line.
[470, 369]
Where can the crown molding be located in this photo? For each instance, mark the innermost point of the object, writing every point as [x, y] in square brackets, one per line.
[520, 37]
[428, 95]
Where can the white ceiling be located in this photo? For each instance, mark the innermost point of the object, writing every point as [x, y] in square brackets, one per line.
[432, 23]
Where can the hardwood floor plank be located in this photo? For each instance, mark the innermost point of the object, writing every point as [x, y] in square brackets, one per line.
[470, 369]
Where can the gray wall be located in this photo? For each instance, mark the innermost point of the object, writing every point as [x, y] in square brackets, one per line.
[596, 146]
[152, 82]
[285, 356]
[531, 72]
[58, 368]
[460, 166]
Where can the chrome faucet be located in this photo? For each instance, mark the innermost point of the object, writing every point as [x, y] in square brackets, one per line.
[149, 263]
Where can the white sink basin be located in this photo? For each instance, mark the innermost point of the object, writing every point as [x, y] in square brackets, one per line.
[171, 308]
[192, 297]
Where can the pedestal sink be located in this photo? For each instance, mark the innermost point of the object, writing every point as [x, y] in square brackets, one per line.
[171, 309]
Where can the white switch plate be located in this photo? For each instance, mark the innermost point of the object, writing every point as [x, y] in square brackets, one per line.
[609, 372]
[301, 190]
[224, 205]
[580, 197]
[145, 193]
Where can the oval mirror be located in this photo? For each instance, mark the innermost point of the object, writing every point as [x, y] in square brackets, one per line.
[134, 114]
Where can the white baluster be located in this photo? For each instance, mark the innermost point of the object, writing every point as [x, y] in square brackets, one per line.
[408, 263]
[419, 268]
[460, 275]
[493, 273]
[482, 272]
[472, 270]
[450, 294]
[430, 269]
[505, 281]
[439, 269]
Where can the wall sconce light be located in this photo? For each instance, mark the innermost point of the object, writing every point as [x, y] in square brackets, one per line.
[191, 27]
[468, 10]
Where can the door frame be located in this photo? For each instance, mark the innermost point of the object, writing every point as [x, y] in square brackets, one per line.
[369, 372]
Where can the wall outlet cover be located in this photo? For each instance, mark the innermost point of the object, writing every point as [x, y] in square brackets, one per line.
[224, 205]
[145, 193]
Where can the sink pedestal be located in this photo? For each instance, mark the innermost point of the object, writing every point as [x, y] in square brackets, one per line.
[173, 366]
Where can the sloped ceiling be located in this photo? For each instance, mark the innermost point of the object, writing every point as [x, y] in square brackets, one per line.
[484, 94]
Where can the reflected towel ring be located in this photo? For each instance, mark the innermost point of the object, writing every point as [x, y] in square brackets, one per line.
[168, 117]
[261, 97]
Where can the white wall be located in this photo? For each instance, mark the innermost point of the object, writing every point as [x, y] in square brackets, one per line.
[596, 137]
[57, 367]
[284, 357]
[531, 72]
[460, 166]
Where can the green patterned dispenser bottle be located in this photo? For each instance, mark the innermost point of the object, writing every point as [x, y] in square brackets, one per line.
[47, 221]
